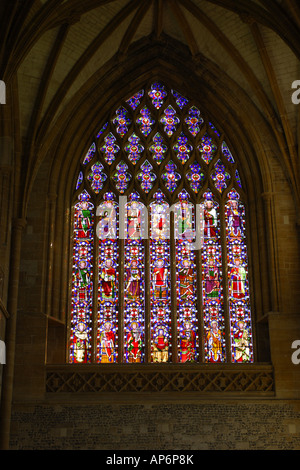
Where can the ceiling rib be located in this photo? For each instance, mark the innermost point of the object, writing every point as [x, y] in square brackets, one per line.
[83, 60]
[183, 23]
[132, 28]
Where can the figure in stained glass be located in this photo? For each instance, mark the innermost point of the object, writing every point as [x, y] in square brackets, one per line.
[186, 280]
[107, 225]
[80, 344]
[160, 280]
[159, 217]
[160, 345]
[108, 280]
[84, 220]
[133, 220]
[184, 221]
[211, 276]
[210, 219]
[134, 343]
[187, 343]
[82, 280]
[133, 280]
[214, 343]
[237, 280]
[235, 220]
[241, 343]
[107, 343]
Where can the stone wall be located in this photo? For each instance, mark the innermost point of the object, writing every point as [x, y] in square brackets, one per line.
[210, 425]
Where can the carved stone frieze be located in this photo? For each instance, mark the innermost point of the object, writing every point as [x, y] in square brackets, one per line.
[246, 379]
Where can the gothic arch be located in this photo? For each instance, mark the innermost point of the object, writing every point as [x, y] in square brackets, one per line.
[67, 141]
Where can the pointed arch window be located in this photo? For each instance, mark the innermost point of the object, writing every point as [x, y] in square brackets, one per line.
[144, 290]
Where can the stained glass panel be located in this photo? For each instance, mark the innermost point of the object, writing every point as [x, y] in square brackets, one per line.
[170, 121]
[103, 128]
[160, 299]
[121, 177]
[186, 279]
[158, 148]
[134, 101]
[146, 176]
[121, 121]
[238, 281]
[195, 177]
[90, 154]
[124, 307]
[134, 148]
[212, 291]
[108, 284]
[79, 180]
[227, 152]
[207, 148]
[157, 94]
[181, 101]
[220, 176]
[194, 121]
[97, 177]
[170, 176]
[134, 282]
[145, 121]
[110, 148]
[182, 148]
[82, 281]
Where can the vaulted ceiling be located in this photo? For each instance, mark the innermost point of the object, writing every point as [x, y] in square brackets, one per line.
[54, 47]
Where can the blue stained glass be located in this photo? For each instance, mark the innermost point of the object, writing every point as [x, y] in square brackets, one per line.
[207, 148]
[182, 148]
[121, 177]
[90, 154]
[227, 152]
[97, 177]
[157, 94]
[238, 179]
[110, 148]
[170, 120]
[181, 101]
[194, 121]
[146, 176]
[145, 121]
[134, 101]
[79, 180]
[195, 177]
[214, 129]
[171, 177]
[220, 176]
[134, 148]
[102, 129]
[122, 121]
[158, 149]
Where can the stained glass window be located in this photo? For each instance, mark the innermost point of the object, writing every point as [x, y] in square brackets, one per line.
[145, 286]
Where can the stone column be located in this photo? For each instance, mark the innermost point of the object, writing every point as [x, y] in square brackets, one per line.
[8, 373]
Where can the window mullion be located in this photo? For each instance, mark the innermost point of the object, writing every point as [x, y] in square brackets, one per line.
[198, 260]
[173, 291]
[225, 282]
[95, 311]
[121, 306]
[147, 302]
